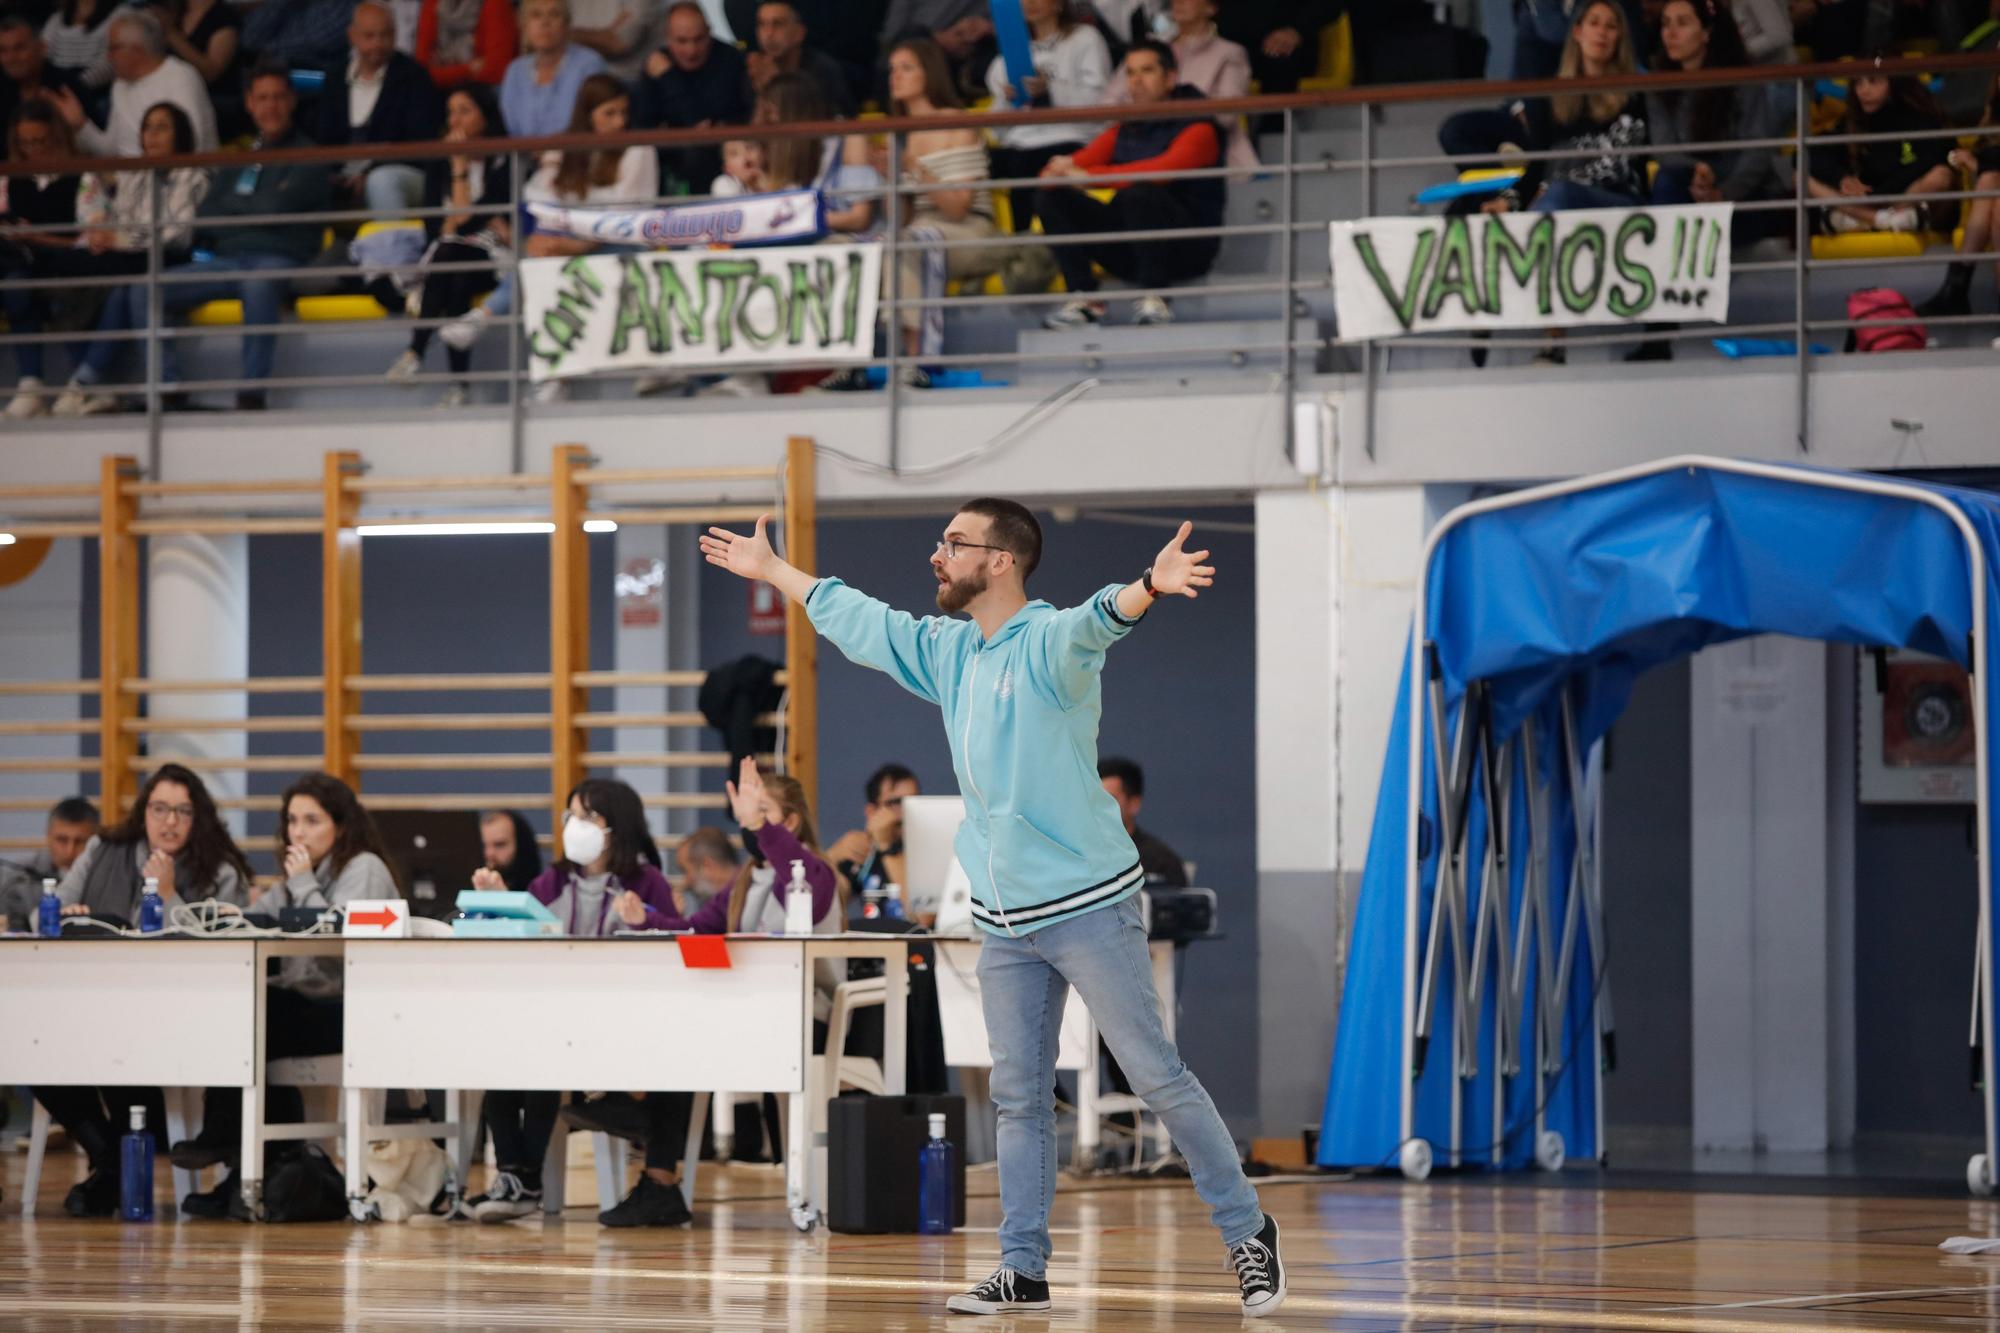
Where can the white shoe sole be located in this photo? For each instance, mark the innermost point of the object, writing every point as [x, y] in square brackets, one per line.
[1268, 1307]
[966, 1305]
[489, 1215]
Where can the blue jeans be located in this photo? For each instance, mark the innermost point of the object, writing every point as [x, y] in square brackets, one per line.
[1561, 196]
[261, 297]
[1023, 983]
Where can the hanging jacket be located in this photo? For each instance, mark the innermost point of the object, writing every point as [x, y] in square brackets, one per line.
[733, 697]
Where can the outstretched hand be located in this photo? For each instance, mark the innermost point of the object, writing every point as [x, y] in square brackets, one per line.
[1178, 573]
[750, 557]
[746, 795]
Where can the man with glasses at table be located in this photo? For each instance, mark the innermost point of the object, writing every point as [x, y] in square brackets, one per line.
[872, 856]
[1054, 875]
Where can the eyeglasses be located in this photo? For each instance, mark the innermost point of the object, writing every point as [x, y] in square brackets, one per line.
[951, 546]
[162, 811]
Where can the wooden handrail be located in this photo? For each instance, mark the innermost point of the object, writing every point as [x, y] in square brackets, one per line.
[208, 526]
[495, 680]
[252, 763]
[448, 763]
[448, 722]
[681, 514]
[78, 528]
[461, 801]
[292, 486]
[502, 481]
[48, 687]
[676, 800]
[248, 685]
[660, 759]
[47, 764]
[260, 725]
[636, 476]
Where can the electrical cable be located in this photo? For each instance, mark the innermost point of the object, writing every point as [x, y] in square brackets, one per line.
[1055, 402]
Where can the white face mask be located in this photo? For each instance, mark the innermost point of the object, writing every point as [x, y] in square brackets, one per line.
[583, 840]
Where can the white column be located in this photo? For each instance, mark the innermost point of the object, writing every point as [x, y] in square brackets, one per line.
[1772, 738]
[640, 644]
[42, 639]
[198, 628]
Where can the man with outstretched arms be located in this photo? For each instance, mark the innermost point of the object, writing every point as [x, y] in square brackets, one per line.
[1053, 872]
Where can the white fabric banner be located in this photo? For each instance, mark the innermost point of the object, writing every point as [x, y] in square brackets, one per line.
[682, 309]
[1393, 276]
[787, 217]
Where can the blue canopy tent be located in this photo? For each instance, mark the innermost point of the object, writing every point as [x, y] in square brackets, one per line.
[1476, 1020]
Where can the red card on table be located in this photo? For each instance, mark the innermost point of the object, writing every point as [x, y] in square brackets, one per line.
[704, 951]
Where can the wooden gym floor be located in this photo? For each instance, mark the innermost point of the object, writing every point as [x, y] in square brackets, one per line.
[1368, 1254]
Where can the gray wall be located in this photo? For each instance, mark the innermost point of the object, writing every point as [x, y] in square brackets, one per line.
[1179, 698]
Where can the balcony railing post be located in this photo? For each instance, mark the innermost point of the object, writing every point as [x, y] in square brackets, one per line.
[1288, 279]
[893, 324]
[1368, 210]
[517, 428]
[155, 353]
[1801, 259]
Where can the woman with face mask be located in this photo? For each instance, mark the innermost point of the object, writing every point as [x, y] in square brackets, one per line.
[607, 881]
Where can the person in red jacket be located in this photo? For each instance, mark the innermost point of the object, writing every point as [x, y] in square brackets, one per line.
[466, 41]
[1128, 148]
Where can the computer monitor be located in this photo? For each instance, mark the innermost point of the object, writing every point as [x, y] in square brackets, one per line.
[437, 851]
[930, 827]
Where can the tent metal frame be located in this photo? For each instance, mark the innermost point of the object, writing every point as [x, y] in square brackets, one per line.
[1473, 756]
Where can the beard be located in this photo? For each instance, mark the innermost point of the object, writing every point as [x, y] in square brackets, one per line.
[955, 595]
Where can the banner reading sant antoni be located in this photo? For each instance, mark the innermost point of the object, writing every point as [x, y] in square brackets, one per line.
[1393, 276]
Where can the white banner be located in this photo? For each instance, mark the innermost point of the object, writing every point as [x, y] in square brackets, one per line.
[786, 217]
[1394, 276]
[689, 308]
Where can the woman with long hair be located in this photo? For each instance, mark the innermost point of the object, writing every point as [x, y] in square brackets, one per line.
[79, 42]
[1899, 165]
[920, 86]
[172, 835]
[1982, 163]
[606, 882]
[332, 856]
[1072, 68]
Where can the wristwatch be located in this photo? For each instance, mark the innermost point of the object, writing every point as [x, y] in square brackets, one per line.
[1146, 582]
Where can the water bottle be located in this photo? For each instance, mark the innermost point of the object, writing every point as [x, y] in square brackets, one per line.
[799, 903]
[48, 916]
[135, 1170]
[871, 904]
[892, 905]
[937, 1182]
[151, 911]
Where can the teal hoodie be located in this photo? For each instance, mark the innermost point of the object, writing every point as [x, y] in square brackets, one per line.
[1042, 840]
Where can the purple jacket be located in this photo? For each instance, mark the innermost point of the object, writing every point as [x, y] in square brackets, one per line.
[647, 882]
[780, 848]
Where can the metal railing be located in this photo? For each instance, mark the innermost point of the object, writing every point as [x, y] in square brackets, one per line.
[1324, 144]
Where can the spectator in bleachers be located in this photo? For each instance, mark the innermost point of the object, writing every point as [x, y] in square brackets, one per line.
[467, 182]
[622, 31]
[207, 34]
[707, 859]
[962, 29]
[1878, 104]
[332, 855]
[603, 176]
[302, 34]
[1213, 66]
[72, 823]
[173, 835]
[603, 884]
[1982, 163]
[538, 95]
[1124, 22]
[145, 74]
[1072, 68]
[1700, 34]
[117, 216]
[466, 41]
[742, 169]
[378, 95]
[840, 167]
[920, 85]
[254, 190]
[691, 82]
[508, 842]
[782, 48]
[26, 75]
[1179, 144]
[1766, 29]
[1282, 37]
[36, 134]
[77, 38]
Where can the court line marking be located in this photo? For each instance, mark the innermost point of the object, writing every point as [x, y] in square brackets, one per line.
[1827, 1296]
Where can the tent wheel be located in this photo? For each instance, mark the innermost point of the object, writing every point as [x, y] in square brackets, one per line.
[1550, 1151]
[1415, 1159]
[1979, 1175]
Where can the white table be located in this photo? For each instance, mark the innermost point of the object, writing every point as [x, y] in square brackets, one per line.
[614, 1014]
[171, 1012]
[964, 1026]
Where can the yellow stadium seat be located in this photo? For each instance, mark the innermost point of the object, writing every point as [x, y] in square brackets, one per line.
[392, 224]
[338, 309]
[213, 313]
[1336, 59]
[1873, 244]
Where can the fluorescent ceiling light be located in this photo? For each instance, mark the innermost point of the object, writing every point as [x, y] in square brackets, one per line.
[472, 529]
[6, 539]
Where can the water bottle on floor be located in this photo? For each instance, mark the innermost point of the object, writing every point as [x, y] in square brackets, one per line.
[135, 1170]
[48, 916]
[937, 1182]
[151, 911]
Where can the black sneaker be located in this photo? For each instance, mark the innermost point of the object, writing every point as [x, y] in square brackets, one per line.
[1259, 1271]
[615, 1114]
[507, 1198]
[854, 379]
[225, 1200]
[650, 1204]
[1006, 1292]
[95, 1196]
[199, 1153]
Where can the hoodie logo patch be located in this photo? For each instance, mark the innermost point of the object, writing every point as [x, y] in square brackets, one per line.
[1004, 687]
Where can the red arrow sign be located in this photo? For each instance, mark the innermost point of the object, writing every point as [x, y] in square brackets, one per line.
[384, 917]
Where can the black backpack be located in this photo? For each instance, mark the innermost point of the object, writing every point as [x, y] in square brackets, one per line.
[304, 1187]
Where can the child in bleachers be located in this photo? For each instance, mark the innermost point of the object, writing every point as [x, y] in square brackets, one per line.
[607, 881]
[742, 170]
[1982, 163]
[1878, 104]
